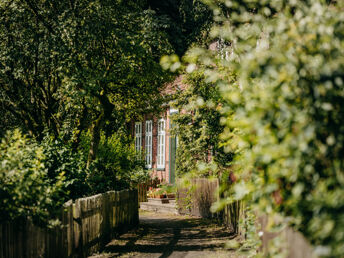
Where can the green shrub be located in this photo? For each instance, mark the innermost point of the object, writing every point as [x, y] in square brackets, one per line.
[26, 190]
[284, 112]
[60, 158]
[37, 178]
[198, 128]
[117, 165]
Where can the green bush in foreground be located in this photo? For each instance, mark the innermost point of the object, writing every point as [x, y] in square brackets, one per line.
[25, 188]
[285, 118]
[60, 158]
[37, 178]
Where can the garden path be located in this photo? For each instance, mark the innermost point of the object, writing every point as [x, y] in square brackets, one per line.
[174, 236]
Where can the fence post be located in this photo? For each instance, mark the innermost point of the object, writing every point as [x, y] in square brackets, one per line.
[78, 243]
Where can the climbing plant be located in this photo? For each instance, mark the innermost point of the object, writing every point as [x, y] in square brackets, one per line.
[198, 128]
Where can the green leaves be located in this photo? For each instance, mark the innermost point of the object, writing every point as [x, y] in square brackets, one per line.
[116, 166]
[198, 128]
[25, 188]
[281, 82]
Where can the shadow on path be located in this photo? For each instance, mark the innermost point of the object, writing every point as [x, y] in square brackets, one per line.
[162, 236]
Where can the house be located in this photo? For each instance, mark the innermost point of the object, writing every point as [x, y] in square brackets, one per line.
[152, 136]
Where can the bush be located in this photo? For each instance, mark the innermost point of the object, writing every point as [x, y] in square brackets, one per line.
[198, 128]
[285, 116]
[37, 178]
[60, 158]
[26, 190]
[117, 165]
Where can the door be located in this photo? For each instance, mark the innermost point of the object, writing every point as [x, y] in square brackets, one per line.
[173, 152]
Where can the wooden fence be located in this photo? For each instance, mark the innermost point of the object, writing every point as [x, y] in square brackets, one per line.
[232, 214]
[142, 192]
[88, 225]
[142, 188]
[293, 243]
[197, 199]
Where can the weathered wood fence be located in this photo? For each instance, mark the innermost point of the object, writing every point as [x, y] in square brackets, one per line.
[142, 192]
[143, 187]
[293, 243]
[88, 225]
[197, 199]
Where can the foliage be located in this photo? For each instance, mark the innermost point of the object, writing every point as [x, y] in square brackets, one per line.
[168, 188]
[60, 158]
[280, 72]
[185, 22]
[117, 165]
[198, 128]
[72, 73]
[247, 246]
[25, 188]
[37, 178]
[69, 67]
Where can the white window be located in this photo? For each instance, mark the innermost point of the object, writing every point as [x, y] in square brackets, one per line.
[148, 143]
[161, 144]
[138, 136]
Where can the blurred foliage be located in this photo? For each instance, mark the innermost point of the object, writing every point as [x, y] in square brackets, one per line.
[279, 66]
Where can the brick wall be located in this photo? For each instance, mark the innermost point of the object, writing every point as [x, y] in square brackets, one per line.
[162, 174]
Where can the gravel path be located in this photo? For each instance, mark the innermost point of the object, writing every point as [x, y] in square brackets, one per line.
[165, 235]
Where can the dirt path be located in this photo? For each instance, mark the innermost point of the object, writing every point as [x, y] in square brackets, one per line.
[161, 235]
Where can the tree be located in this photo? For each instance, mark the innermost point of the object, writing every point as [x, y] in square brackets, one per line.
[114, 61]
[30, 63]
[68, 65]
[185, 21]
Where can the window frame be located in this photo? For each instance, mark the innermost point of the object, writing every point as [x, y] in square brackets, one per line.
[148, 143]
[161, 144]
[138, 137]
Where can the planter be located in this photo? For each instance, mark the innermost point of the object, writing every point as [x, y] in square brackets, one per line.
[171, 196]
[158, 196]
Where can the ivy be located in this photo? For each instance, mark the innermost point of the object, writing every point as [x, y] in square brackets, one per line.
[198, 128]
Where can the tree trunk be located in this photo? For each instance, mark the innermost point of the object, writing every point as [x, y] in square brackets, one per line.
[107, 109]
[95, 139]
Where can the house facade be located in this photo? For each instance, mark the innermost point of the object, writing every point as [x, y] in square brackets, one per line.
[152, 134]
[153, 138]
